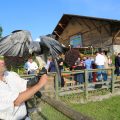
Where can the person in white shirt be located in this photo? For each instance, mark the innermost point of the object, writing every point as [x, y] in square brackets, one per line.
[31, 66]
[100, 62]
[14, 93]
[48, 63]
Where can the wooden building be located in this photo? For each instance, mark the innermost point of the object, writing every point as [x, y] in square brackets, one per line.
[83, 31]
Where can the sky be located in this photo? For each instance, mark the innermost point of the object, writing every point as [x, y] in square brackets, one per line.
[40, 17]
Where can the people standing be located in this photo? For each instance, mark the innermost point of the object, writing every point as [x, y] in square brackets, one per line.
[77, 62]
[88, 66]
[79, 77]
[31, 66]
[117, 64]
[100, 62]
[106, 63]
[52, 67]
[61, 68]
[60, 63]
[49, 59]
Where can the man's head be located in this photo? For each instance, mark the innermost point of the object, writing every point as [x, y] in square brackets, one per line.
[2, 66]
[30, 59]
[118, 54]
[96, 52]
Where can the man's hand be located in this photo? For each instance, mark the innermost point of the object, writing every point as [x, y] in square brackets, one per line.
[43, 80]
[25, 95]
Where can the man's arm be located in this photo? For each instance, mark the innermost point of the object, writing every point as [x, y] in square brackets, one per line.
[23, 96]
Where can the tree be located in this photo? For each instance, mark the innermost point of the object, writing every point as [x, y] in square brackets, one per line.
[71, 56]
[1, 30]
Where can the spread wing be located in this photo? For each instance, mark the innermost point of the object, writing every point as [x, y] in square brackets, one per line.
[54, 46]
[15, 44]
[55, 49]
[20, 43]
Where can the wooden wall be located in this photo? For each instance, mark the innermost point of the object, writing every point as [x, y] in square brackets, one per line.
[94, 32]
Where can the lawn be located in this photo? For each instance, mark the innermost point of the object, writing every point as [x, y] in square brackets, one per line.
[108, 109]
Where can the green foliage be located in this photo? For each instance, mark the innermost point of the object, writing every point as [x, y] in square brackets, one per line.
[1, 30]
[20, 70]
[113, 59]
[102, 110]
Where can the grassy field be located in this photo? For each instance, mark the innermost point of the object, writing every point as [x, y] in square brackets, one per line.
[108, 109]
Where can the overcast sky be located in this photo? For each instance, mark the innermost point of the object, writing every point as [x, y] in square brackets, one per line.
[41, 16]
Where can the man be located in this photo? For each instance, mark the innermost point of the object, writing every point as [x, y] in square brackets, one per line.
[60, 62]
[13, 93]
[48, 63]
[88, 66]
[117, 64]
[100, 62]
[31, 66]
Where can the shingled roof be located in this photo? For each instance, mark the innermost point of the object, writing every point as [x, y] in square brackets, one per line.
[63, 22]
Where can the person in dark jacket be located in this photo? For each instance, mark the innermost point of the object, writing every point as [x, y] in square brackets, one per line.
[117, 64]
[79, 77]
[52, 67]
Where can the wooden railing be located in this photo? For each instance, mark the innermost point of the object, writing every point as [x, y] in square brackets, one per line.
[86, 84]
[58, 105]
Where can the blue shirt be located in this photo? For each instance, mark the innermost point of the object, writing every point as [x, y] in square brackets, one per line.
[88, 63]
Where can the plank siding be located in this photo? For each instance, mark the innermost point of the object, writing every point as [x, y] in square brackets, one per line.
[95, 33]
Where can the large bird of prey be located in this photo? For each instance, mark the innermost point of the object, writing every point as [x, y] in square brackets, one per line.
[20, 43]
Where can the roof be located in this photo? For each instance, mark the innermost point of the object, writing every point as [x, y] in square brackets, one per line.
[63, 22]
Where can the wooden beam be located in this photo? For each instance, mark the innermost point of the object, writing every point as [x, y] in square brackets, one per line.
[61, 25]
[58, 35]
[77, 21]
[114, 37]
[85, 23]
[107, 30]
[95, 26]
[93, 29]
[66, 110]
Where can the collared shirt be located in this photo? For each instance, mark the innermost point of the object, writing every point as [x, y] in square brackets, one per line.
[100, 59]
[9, 91]
[31, 66]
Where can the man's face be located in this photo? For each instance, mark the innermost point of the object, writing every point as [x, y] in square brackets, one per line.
[30, 60]
[2, 66]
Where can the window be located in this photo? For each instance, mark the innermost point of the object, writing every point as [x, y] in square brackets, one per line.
[76, 41]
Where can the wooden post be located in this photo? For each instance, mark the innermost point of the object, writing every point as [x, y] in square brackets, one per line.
[56, 87]
[92, 50]
[86, 84]
[112, 81]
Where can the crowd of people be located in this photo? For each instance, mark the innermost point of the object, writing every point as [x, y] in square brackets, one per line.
[99, 61]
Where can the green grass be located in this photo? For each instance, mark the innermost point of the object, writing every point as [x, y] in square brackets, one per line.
[47, 113]
[108, 109]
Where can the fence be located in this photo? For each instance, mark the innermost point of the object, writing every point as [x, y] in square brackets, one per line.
[72, 86]
[54, 107]
[73, 89]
